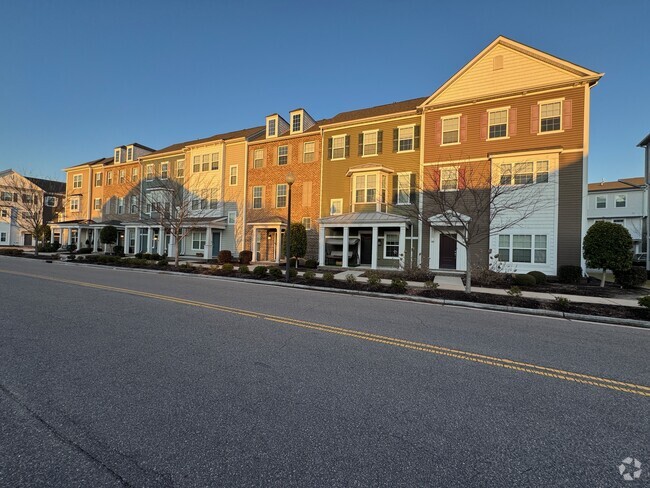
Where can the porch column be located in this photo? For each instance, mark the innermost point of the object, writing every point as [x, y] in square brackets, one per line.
[78, 238]
[69, 239]
[137, 249]
[161, 240]
[95, 240]
[375, 245]
[402, 245]
[207, 250]
[171, 251]
[254, 244]
[321, 245]
[346, 245]
[278, 242]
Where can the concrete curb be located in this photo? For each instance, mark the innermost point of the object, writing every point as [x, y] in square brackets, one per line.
[436, 301]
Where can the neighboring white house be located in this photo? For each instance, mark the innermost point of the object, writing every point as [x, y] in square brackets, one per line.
[18, 196]
[623, 202]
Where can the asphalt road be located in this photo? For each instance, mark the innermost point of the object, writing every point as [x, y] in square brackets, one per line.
[128, 378]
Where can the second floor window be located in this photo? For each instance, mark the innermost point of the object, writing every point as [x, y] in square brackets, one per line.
[365, 188]
[406, 135]
[134, 175]
[404, 188]
[134, 204]
[258, 158]
[621, 201]
[449, 179]
[257, 197]
[369, 143]
[97, 204]
[336, 206]
[283, 155]
[76, 181]
[281, 195]
[164, 170]
[524, 173]
[122, 176]
[120, 205]
[180, 169]
[233, 175]
[214, 160]
[601, 202]
[109, 177]
[149, 174]
[338, 147]
[98, 179]
[74, 205]
[498, 124]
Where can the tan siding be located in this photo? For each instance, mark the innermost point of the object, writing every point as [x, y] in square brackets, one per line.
[336, 185]
[519, 71]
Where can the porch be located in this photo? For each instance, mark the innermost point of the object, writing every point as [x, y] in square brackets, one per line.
[267, 239]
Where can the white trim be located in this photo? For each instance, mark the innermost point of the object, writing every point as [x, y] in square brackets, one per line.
[234, 220]
[397, 234]
[442, 129]
[404, 173]
[363, 143]
[491, 111]
[332, 201]
[539, 122]
[230, 175]
[399, 138]
[338, 136]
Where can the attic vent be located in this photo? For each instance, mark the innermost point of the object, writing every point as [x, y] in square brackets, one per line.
[498, 63]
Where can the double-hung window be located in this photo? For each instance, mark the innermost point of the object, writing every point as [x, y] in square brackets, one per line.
[196, 164]
[118, 154]
[405, 138]
[97, 204]
[497, 124]
[338, 147]
[205, 162]
[271, 128]
[232, 217]
[98, 179]
[129, 153]
[306, 222]
[370, 143]
[524, 173]
[258, 158]
[451, 130]
[403, 188]
[120, 205]
[296, 123]
[621, 201]
[281, 195]
[122, 176]
[134, 175]
[550, 117]
[134, 204]
[164, 170]
[283, 155]
[149, 174]
[74, 204]
[523, 248]
[215, 158]
[6, 196]
[233, 175]
[198, 241]
[109, 178]
[365, 188]
[391, 245]
[76, 181]
[257, 196]
[601, 202]
[449, 179]
[308, 152]
[180, 170]
[336, 206]
[541, 175]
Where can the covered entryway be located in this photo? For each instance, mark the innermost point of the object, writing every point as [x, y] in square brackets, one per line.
[445, 243]
[448, 249]
[216, 243]
[266, 238]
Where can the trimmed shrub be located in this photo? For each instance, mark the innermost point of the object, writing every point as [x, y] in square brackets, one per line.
[227, 268]
[84, 250]
[293, 273]
[118, 250]
[562, 303]
[514, 291]
[540, 277]
[260, 271]
[630, 278]
[243, 269]
[162, 262]
[245, 257]
[11, 252]
[156, 257]
[373, 279]
[92, 258]
[644, 301]
[224, 257]
[328, 277]
[398, 284]
[524, 280]
[569, 274]
[48, 247]
[139, 255]
[309, 275]
[147, 256]
[311, 263]
[350, 279]
[275, 273]
[292, 263]
[431, 285]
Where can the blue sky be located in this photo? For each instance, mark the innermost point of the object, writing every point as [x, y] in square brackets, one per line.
[81, 77]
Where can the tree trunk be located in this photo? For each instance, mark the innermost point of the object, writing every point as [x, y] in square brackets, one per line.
[36, 245]
[468, 272]
[177, 250]
[602, 280]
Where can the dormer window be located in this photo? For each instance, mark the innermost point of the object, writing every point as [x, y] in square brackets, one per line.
[129, 153]
[118, 154]
[296, 123]
[271, 132]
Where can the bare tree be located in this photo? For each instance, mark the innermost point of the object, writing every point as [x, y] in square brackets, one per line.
[179, 205]
[471, 203]
[27, 203]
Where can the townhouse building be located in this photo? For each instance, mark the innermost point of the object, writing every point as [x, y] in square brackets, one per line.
[513, 115]
[623, 202]
[369, 181]
[283, 148]
[22, 209]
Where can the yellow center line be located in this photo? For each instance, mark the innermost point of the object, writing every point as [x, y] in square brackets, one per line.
[367, 336]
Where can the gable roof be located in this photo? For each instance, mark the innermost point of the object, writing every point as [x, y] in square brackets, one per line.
[377, 111]
[577, 72]
[645, 142]
[622, 184]
[15, 174]
[225, 136]
[49, 186]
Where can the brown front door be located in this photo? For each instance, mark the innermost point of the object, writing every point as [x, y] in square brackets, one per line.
[447, 252]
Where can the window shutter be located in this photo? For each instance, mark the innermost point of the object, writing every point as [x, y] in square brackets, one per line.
[347, 146]
[567, 117]
[512, 122]
[413, 190]
[360, 144]
[484, 126]
[534, 118]
[380, 137]
[416, 137]
[395, 187]
[463, 128]
[395, 139]
[329, 148]
[436, 179]
[462, 182]
[437, 132]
